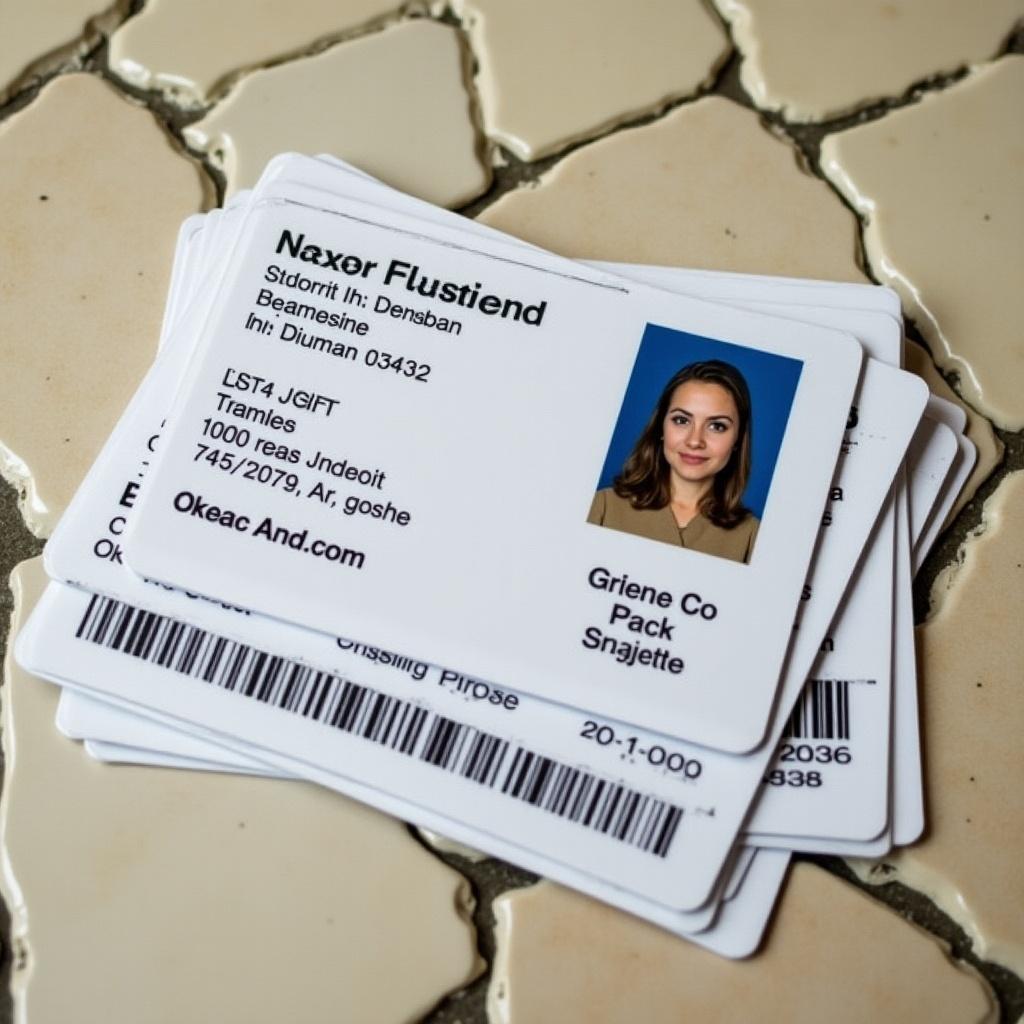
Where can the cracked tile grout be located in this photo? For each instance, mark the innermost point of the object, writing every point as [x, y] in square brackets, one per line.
[488, 879]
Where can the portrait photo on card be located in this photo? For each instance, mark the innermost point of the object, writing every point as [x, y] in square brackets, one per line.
[693, 451]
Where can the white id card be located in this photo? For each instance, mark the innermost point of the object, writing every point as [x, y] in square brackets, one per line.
[935, 450]
[860, 803]
[837, 695]
[827, 681]
[963, 463]
[850, 775]
[568, 732]
[506, 586]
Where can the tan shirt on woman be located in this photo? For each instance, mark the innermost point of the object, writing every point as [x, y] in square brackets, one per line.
[700, 534]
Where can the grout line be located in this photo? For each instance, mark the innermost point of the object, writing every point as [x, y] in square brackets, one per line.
[221, 88]
[487, 880]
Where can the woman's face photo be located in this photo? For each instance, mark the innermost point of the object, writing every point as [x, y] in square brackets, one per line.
[700, 429]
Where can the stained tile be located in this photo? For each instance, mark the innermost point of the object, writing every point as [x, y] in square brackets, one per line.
[556, 71]
[972, 722]
[979, 430]
[39, 36]
[190, 49]
[939, 186]
[90, 201]
[833, 954]
[400, 111]
[150, 895]
[816, 59]
[706, 186]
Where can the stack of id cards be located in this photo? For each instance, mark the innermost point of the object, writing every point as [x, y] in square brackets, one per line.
[601, 569]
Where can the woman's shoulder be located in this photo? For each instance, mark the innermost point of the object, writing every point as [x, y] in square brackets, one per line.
[749, 523]
[599, 506]
[747, 527]
[617, 513]
[607, 503]
[611, 509]
[747, 530]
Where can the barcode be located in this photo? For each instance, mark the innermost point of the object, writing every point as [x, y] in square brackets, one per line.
[600, 804]
[822, 712]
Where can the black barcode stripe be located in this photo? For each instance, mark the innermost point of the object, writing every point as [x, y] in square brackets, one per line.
[604, 806]
[105, 614]
[87, 617]
[822, 712]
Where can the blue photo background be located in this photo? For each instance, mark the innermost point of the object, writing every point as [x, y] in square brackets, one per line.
[772, 381]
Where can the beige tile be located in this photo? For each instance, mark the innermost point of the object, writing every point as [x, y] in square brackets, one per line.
[143, 895]
[939, 186]
[401, 113]
[815, 59]
[979, 430]
[832, 955]
[38, 37]
[553, 72]
[90, 201]
[190, 49]
[971, 667]
[706, 187]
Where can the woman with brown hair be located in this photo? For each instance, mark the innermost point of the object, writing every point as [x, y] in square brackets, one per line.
[683, 482]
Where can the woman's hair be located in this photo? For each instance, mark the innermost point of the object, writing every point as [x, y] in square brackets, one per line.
[644, 479]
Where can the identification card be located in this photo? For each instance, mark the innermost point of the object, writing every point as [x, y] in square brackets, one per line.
[85, 551]
[451, 556]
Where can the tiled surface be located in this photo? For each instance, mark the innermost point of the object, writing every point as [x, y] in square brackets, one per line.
[705, 186]
[939, 185]
[708, 182]
[973, 719]
[552, 72]
[191, 50]
[816, 59]
[430, 149]
[833, 954]
[82, 283]
[39, 37]
[146, 896]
